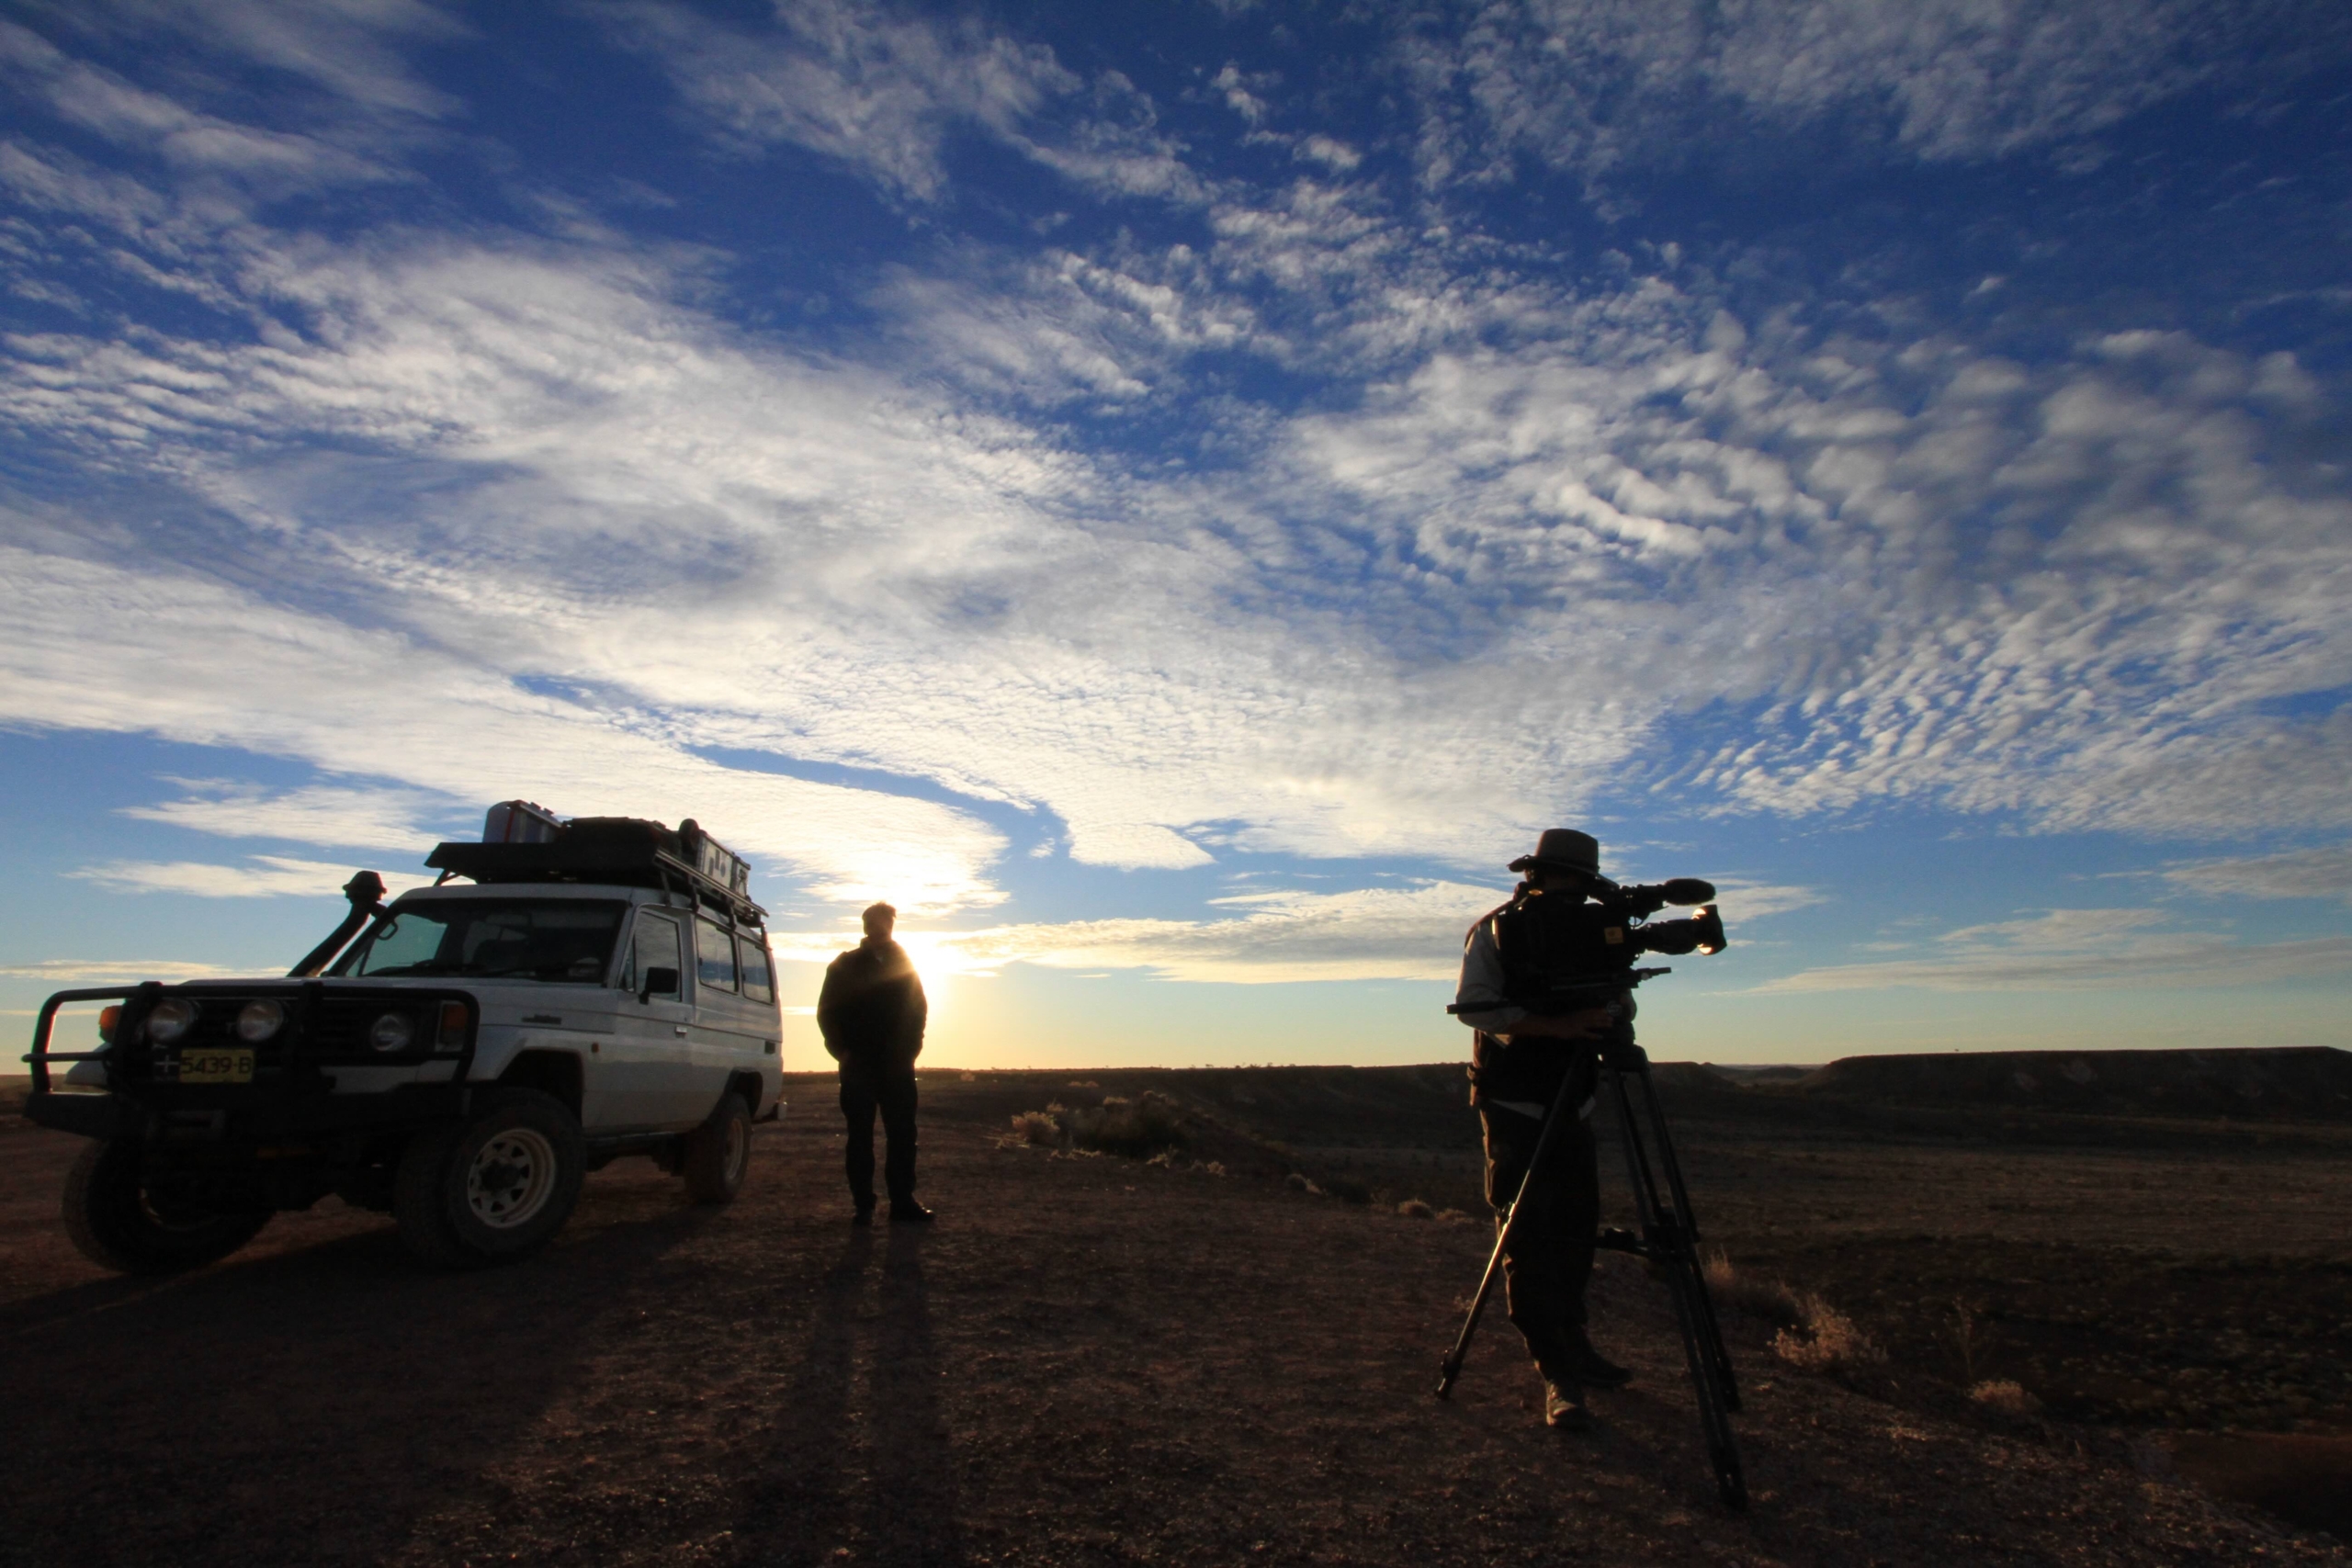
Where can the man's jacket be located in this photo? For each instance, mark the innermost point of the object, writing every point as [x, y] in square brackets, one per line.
[1509, 960]
[872, 1009]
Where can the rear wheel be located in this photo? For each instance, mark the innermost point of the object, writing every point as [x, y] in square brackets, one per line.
[718, 1152]
[118, 1220]
[492, 1190]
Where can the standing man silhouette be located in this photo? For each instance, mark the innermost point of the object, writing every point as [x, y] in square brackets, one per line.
[872, 1013]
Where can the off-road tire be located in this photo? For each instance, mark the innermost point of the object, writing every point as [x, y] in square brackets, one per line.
[494, 1189]
[718, 1152]
[116, 1224]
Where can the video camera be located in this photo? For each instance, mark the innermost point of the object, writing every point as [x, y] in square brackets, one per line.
[1703, 933]
[1565, 953]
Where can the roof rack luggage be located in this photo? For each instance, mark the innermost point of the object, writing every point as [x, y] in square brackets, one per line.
[627, 852]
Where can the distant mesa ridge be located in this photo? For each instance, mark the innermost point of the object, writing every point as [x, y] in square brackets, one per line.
[2266, 1084]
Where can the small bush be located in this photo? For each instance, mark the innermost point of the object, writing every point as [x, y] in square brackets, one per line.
[1137, 1128]
[1041, 1127]
[1824, 1339]
[2006, 1395]
[1453, 1217]
[1752, 1293]
[1414, 1208]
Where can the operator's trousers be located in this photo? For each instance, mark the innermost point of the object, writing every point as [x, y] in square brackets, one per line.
[1549, 1260]
[892, 1092]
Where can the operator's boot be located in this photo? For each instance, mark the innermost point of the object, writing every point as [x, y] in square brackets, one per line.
[1592, 1369]
[1563, 1409]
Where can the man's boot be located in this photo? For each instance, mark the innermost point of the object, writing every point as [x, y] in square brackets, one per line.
[1564, 1408]
[1592, 1369]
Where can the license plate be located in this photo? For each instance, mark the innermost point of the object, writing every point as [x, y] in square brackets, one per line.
[216, 1065]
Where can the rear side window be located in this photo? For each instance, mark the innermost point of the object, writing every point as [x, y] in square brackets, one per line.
[655, 946]
[755, 970]
[714, 955]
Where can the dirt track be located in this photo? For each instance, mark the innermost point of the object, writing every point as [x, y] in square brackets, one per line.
[1086, 1360]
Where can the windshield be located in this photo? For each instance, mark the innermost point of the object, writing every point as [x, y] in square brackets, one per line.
[568, 941]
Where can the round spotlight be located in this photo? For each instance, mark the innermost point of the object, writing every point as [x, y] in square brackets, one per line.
[170, 1018]
[393, 1032]
[260, 1021]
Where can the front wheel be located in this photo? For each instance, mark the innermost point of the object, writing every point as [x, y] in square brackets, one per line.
[120, 1221]
[718, 1152]
[492, 1190]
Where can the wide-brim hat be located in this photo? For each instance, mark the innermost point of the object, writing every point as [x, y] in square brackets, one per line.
[1564, 849]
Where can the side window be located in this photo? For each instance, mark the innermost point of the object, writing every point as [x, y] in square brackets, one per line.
[755, 970]
[715, 950]
[654, 945]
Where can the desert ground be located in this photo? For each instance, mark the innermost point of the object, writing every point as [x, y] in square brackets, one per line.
[1228, 1356]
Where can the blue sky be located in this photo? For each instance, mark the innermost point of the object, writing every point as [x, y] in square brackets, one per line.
[1176, 496]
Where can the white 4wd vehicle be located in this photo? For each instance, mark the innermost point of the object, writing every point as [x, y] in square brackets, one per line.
[603, 988]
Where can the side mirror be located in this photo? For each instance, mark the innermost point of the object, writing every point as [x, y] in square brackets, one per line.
[659, 983]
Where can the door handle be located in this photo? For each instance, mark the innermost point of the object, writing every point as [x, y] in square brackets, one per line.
[680, 1028]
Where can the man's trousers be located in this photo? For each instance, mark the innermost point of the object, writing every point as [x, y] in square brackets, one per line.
[1549, 1259]
[893, 1094]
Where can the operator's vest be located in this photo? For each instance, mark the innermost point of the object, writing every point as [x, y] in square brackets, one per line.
[1550, 944]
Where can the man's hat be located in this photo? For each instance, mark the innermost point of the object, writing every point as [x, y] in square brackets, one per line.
[1564, 849]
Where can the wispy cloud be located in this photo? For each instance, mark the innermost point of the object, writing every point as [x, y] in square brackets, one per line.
[2322, 873]
[75, 971]
[319, 814]
[1412, 932]
[2066, 950]
[1601, 85]
[884, 95]
[207, 664]
[259, 876]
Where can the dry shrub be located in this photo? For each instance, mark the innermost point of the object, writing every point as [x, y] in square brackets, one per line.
[1414, 1208]
[1453, 1217]
[1137, 1128]
[1040, 1127]
[1752, 1293]
[1824, 1339]
[2006, 1395]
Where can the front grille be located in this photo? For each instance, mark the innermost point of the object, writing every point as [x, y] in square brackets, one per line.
[322, 1029]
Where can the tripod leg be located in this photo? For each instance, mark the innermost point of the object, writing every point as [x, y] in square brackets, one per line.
[1711, 1337]
[1452, 1369]
[1669, 1248]
[1454, 1357]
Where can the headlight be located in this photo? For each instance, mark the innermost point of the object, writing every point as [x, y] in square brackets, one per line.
[260, 1021]
[171, 1017]
[392, 1031]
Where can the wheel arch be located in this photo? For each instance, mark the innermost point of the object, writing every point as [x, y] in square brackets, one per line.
[556, 1074]
[746, 1084]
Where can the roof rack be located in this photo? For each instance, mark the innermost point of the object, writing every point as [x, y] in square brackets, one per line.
[627, 852]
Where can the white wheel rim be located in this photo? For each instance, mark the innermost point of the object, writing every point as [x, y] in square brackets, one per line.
[511, 1178]
[739, 1148]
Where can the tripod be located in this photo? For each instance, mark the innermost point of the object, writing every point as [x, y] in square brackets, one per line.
[1668, 1240]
